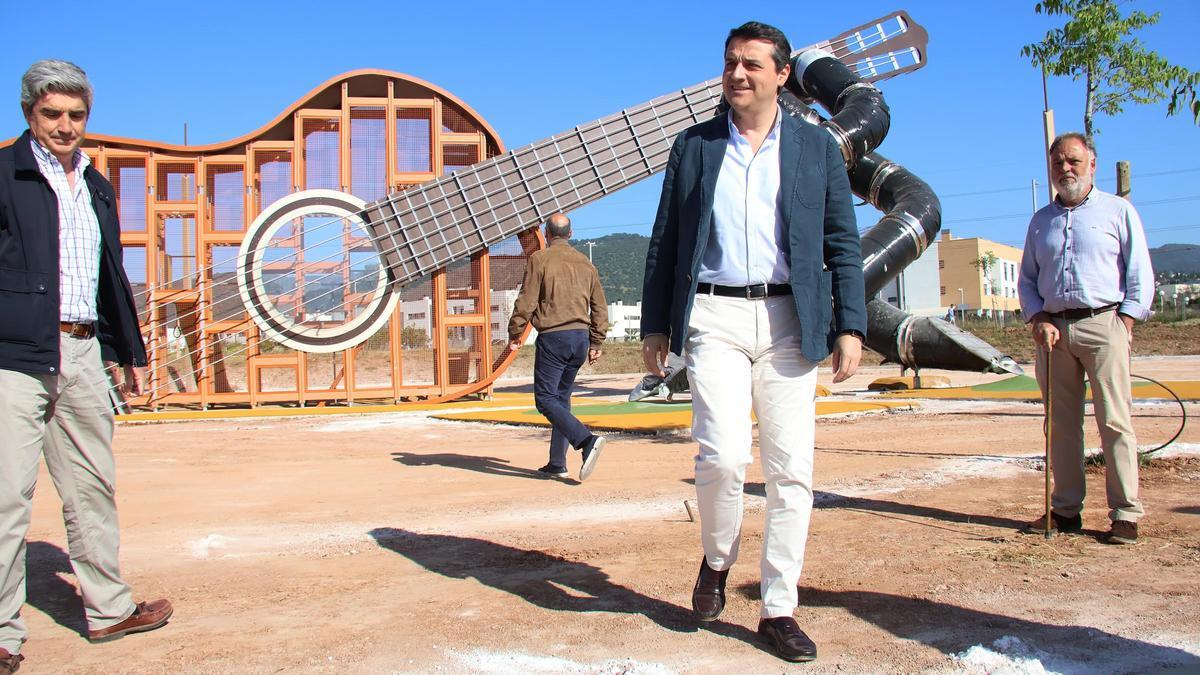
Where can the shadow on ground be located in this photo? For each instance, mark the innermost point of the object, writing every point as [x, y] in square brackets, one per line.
[497, 466]
[49, 592]
[538, 577]
[952, 630]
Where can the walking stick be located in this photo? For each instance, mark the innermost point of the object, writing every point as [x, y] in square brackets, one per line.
[1049, 427]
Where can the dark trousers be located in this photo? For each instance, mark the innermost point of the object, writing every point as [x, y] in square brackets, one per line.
[558, 358]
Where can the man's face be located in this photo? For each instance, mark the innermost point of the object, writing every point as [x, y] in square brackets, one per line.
[751, 81]
[58, 122]
[1072, 168]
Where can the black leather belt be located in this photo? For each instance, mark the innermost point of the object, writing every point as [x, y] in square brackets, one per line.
[83, 331]
[747, 292]
[1084, 312]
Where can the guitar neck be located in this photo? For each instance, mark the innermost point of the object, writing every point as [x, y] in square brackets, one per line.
[429, 226]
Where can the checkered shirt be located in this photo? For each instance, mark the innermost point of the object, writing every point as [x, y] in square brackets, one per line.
[78, 237]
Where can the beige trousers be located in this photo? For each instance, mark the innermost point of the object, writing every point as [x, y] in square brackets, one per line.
[1099, 348]
[68, 419]
[742, 356]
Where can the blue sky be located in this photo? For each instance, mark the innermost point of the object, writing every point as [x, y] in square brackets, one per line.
[969, 123]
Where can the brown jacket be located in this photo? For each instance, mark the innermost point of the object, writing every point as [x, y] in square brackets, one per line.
[561, 291]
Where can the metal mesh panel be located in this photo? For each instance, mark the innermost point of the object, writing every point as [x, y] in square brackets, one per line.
[419, 364]
[177, 252]
[227, 367]
[226, 198]
[326, 371]
[128, 178]
[462, 286]
[277, 378]
[224, 302]
[465, 353]
[456, 121]
[414, 140]
[176, 182]
[322, 166]
[506, 270]
[134, 260]
[373, 361]
[456, 155]
[368, 153]
[272, 177]
[175, 367]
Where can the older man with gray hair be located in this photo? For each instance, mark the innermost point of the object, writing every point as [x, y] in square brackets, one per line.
[1086, 277]
[65, 308]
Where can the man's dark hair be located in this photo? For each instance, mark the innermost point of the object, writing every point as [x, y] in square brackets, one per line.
[754, 30]
[558, 226]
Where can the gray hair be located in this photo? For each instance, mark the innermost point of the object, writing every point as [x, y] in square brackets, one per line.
[53, 76]
[1074, 135]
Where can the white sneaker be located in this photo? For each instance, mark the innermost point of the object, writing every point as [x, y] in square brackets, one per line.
[591, 456]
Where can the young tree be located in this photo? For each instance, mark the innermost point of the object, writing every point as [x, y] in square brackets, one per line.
[1097, 44]
[986, 264]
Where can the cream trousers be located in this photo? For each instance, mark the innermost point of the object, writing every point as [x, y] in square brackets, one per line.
[743, 356]
[67, 418]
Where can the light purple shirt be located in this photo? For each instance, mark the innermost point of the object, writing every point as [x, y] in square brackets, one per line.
[1086, 256]
[746, 244]
[78, 237]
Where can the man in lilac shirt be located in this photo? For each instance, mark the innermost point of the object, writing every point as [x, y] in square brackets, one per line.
[1085, 278]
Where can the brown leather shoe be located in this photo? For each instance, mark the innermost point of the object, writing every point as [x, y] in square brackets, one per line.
[1061, 524]
[9, 663]
[146, 616]
[708, 596]
[789, 641]
[1122, 532]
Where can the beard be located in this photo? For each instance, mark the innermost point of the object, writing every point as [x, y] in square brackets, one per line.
[1073, 191]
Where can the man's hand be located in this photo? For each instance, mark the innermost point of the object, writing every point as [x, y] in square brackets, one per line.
[654, 354]
[128, 380]
[847, 352]
[135, 381]
[594, 355]
[514, 345]
[1045, 333]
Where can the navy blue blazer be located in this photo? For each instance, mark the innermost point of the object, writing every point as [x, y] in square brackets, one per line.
[818, 214]
[29, 299]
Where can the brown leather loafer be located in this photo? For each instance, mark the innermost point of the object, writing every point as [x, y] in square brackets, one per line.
[147, 616]
[790, 643]
[708, 596]
[1060, 524]
[9, 663]
[1122, 532]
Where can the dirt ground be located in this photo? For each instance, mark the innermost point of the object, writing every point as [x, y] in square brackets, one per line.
[385, 543]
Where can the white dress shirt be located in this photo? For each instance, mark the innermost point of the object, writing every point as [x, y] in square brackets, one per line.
[747, 244]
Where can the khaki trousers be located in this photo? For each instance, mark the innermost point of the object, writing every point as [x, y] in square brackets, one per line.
[1097, 346]
[742, 356]
[68, 419]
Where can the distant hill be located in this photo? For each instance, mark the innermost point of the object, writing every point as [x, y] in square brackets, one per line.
[1176, 258]
[621, 261]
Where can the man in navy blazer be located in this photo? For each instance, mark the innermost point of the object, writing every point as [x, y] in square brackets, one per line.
[754, 271]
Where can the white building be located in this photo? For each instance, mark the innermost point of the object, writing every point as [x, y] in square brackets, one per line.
[916, 289]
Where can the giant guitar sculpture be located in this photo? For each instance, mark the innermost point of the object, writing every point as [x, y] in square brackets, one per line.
[432, 225]
[216, 333]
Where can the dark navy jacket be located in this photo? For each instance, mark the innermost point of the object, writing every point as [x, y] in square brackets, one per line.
[825, 252]
[29, 300]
